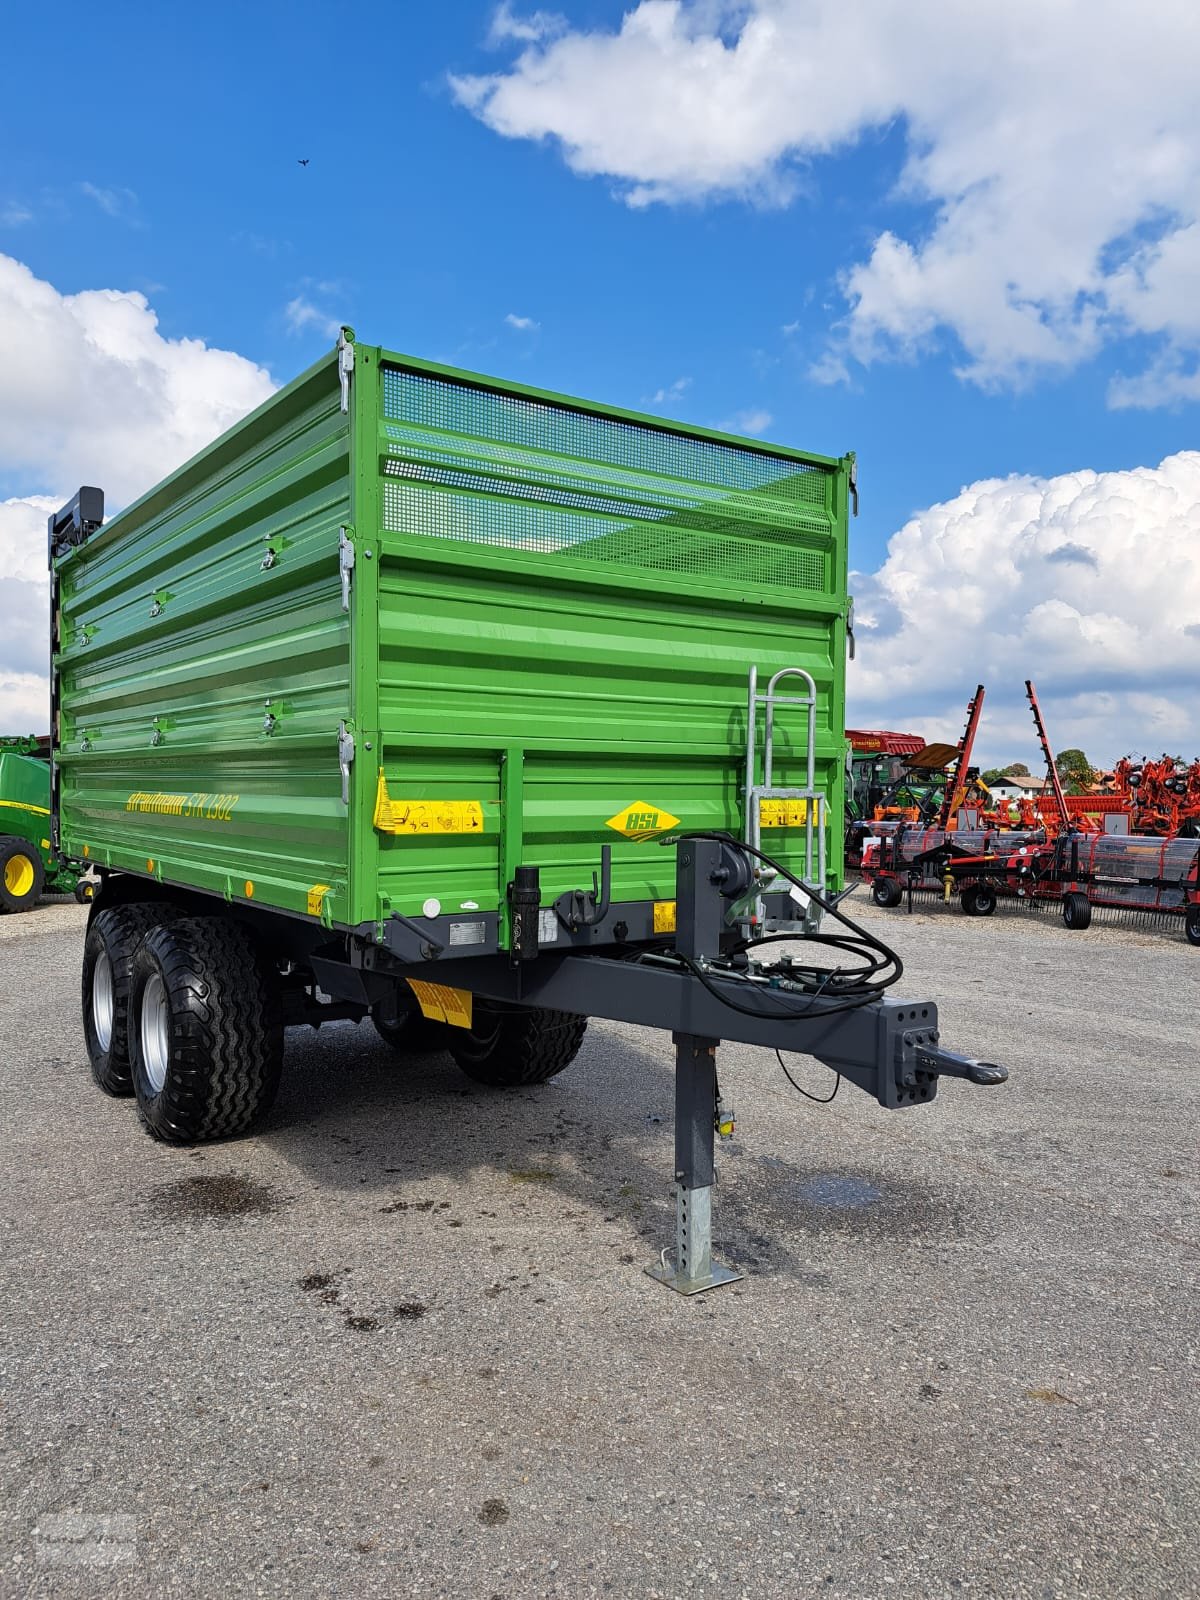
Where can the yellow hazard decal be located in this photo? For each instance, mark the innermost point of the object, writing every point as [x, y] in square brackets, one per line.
[316, 898]
[664, 916]
[440, 1004]
[425, 816]
[642, 821]
[784, 813]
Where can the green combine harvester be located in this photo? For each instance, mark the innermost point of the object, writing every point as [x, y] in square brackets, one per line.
[29, 866]
[476, 711]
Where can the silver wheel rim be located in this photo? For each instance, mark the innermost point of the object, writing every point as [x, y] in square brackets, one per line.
[155, 1031]
[102, 1000]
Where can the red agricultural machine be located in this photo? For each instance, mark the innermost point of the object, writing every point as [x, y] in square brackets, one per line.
[1076, 858]
[1161, 797]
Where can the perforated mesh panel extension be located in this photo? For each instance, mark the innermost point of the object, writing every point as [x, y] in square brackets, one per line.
[501, 470]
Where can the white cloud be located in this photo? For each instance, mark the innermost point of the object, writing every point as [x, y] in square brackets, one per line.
[301, 315]
[1169, 381]
[753, 421]
[1087, 583]
[1055, 147]
[527, 29]
[522, 324]
[670, 393]
[107, 401]
[116, 202]
[24, 614]
[14, 215]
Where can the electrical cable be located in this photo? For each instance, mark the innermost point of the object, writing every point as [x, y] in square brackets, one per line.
[817, 1099]
[861, 936]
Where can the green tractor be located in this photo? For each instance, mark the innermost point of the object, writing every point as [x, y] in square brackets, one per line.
[28, 866]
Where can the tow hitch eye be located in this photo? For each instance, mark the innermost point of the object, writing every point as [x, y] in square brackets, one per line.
[949, 1064]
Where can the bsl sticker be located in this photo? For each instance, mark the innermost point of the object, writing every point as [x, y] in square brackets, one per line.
[642, 821]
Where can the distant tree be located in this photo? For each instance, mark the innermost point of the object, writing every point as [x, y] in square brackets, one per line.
[1075, 770]
[1015, 769]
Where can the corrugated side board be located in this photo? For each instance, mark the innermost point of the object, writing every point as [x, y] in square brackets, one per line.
[208, 607]
[590, 618]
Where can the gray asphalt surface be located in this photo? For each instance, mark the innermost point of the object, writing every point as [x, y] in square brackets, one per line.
[402, 1343]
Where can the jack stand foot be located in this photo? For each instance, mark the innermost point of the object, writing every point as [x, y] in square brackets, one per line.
[695, 1270]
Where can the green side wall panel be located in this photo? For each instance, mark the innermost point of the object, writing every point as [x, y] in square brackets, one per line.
[552, 614]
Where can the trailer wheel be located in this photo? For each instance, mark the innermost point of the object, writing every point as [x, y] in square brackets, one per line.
[113, 936]
[1191, 925]
[979, 900]
[887, 892]
[512, 1046]
[410, 1034]
[206, 1031]
[1077, 911]
[21, 875]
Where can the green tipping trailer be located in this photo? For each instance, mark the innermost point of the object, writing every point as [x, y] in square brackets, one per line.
[29, 866]
[473, 708]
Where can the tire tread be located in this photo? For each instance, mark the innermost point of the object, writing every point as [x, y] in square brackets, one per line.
[227, 1033]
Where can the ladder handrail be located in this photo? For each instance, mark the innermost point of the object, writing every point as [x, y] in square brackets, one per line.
[756, 792]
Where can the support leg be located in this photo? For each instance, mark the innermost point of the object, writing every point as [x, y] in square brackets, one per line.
[695, 1124]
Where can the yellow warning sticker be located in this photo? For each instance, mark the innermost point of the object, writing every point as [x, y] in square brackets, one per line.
[425, 816]
[664, 916]
[642, 821]
[316, 898]
[440, 1004]
[784, 813]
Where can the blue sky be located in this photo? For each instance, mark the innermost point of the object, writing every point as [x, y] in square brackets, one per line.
[163, 158]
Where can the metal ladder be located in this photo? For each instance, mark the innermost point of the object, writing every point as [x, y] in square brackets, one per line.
[811, 798]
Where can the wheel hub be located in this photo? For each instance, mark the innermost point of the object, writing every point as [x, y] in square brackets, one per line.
[102, 1001]
[155, 1032]
[18, 876]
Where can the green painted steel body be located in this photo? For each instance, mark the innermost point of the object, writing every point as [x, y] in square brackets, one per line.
[551, 615]
[25, 808]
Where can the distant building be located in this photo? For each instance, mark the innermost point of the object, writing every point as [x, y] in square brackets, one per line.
[1014, 788]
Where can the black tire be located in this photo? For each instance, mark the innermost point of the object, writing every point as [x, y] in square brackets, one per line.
[512, 1046]
[1191, 925]
[113, 936]
[411, 1034]
[85, 891]
[887, 892]
[21, 875]
[208, 1067]
[1077, 911]
[979, 900]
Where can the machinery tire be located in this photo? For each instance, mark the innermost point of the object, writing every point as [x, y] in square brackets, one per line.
[1191, 925]
[113, 936]
[21, 875]
[206, 1031]
[84, 891]
[513, 1046]
[1077, 911]
[411, 1034]
[887, 892]
[979, 900]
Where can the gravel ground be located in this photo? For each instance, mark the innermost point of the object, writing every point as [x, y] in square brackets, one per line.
[402, 1343]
